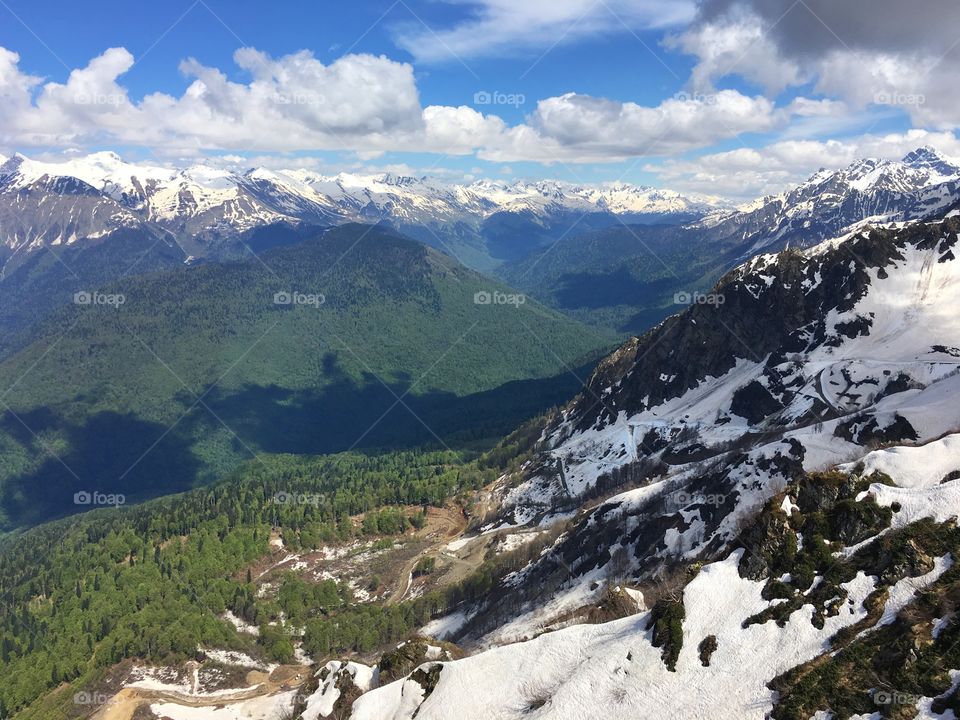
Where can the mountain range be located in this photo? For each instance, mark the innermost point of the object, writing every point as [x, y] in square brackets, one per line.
[357, 337]
[119, 232]
[615, 256]
[628, 277]
[207, 210]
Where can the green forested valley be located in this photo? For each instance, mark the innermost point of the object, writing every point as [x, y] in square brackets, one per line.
[199, 369]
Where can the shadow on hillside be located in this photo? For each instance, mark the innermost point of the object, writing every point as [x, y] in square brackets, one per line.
[617, 287]
[345, 414]
[368, 414]
[111, 453]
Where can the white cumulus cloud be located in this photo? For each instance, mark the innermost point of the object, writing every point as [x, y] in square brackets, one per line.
[362, 103]
[884, 54]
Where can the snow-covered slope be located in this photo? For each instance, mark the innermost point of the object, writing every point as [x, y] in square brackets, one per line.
[810, 357]
[711, 445]
[798, 338]
[614, 670]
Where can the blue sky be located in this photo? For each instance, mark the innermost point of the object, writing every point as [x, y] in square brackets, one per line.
[161, 35]
[714, 97]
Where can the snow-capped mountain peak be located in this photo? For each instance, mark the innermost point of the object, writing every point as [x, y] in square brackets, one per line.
[932, 159]
[99, 170]
[918, 169]
[830, 202]
[203, 206]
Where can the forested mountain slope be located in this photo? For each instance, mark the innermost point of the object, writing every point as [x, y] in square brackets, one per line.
[355, 337]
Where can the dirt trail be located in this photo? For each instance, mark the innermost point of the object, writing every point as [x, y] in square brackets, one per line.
[403, 582]
[124, 704]
[446, 523]
[443, 525]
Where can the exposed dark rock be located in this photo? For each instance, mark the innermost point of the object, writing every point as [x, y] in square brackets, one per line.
[754, 402]
[864, 430]
[770, 543]
[707, 647]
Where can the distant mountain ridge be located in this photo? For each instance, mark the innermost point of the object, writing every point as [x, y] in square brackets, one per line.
[915, 187]
[640, 269]
[206, 209]
[614, 255]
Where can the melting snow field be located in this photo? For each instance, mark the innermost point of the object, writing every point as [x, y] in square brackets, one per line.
[268, 707]
[612, 671]
[321, 703]
[911, 307]
[918, 473]
[915, 467]
[234, 657]
[240, 624]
